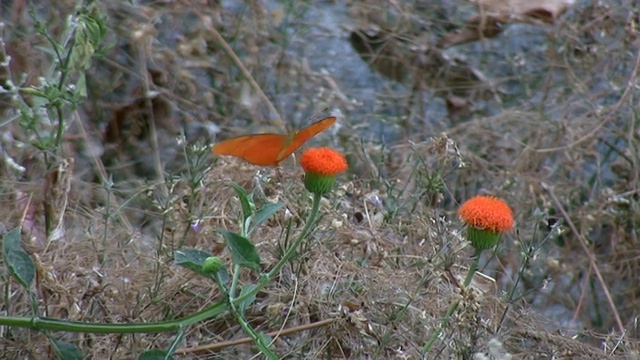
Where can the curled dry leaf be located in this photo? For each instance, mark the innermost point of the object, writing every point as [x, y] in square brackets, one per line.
[494, 13]
[57, 185]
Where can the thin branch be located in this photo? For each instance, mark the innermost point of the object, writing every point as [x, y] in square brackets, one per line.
[247, 340]
[587, 251]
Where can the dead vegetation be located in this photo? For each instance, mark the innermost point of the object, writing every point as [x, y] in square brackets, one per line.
[541, 115]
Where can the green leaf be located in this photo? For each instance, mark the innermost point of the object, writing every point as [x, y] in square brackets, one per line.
[192, 259]
[17, 260]
[263, 214]
[243, 252]
[96, 29]
[244, 304]
[32, 91]
[245, 203]
[21, 267]
[65, 350]
[155, 354]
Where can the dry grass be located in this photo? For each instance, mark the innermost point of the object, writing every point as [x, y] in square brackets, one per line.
[543, 117]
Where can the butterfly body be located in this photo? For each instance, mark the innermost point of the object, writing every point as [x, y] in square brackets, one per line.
[270, 149]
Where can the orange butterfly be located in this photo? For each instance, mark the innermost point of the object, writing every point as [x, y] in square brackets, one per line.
[270, 149]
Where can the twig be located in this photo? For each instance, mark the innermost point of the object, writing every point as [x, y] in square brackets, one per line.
[153, 131]
[592, 259]
[583, 293]
[246, 340]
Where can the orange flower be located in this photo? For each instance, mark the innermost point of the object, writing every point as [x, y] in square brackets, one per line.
[486, 212]
[324, 160]
[321, 165]
[486, 217]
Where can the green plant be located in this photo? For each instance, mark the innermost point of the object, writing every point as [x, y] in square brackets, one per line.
[235, 298]
[486, 218]
[44, 110]
[63, 88]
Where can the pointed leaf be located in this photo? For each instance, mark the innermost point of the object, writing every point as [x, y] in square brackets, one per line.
[244, 304]
[18, 261]
[243, 252]
[263, 214]
[155, 354]
[65, 350]
[244, 201]
[192, 259]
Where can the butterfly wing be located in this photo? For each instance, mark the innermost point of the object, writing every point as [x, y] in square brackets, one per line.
[305, 134]
[258, 149]
[269, 149]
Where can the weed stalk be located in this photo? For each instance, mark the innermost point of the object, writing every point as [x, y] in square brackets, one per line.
[454, 306]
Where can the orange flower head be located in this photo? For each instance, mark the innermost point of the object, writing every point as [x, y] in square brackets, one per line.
[321, 165]
[486, 212]
[486, 217]
[324, 160]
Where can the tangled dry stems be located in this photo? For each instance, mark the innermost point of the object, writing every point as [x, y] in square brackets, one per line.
[385, 276]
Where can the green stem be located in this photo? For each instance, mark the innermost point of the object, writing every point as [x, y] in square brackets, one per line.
[315, 207]
[234, 281]
[239, 316]
[454, 306]
[473, 268]
[107, 185]
[64, 72]
[257, 339]
[159, 274]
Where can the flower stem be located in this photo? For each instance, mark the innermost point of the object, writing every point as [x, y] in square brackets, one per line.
[258, 339]
[454, 306]
[473, 268]
[315, 207]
